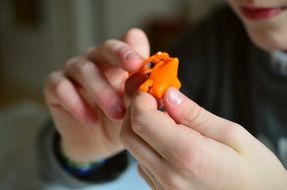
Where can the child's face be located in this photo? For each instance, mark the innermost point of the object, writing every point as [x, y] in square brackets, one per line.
[265, 21]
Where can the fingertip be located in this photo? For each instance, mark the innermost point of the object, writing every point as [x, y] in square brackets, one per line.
[144, 100]
[135, 30]
[132, 60]
[132, 32]
[137, 39]
[133, 83]
[175, 103]
[128, 58]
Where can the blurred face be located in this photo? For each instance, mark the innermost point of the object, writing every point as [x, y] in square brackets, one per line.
[265, 21]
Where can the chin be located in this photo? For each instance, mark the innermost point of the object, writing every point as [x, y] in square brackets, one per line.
[266, 33]
[267, 40]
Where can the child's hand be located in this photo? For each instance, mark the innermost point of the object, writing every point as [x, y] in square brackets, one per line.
[86, 97]
[190, 148]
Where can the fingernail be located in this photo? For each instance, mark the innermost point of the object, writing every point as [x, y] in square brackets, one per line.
[118, 110]
[131, 56]
[174, 96]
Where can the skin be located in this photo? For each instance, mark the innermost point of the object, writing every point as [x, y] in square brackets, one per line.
[184, 148]
[88, 116]
[268, 34]
[191, 148]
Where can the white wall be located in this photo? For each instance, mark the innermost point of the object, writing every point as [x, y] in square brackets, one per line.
[201, 8]
[69, 27]
[120, 15]
[26, 52]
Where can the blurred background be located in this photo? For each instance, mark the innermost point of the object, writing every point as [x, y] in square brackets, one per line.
[38, 36]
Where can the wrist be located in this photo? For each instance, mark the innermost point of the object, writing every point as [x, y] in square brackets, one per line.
[77, 153]
[99, 171]
[78, 168]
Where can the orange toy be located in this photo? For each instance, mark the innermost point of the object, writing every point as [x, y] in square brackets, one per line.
[162, 71]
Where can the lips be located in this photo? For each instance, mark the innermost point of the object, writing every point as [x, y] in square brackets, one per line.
[259, 13]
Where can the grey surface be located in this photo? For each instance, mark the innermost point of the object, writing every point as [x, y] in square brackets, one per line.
[19, 124]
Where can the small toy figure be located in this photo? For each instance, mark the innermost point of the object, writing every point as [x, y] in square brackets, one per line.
[162, 72]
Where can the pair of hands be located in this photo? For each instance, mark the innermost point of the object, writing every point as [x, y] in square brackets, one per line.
[185, 147]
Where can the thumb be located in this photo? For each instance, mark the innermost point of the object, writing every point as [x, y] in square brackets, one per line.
[185, 111]
[137, 40]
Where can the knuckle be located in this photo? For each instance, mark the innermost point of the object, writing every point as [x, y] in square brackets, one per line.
[196, 115]
[79, 66]
[83, 67]
[118, 47]
[89, 51]
[106, 98]
[138, 120]
[191, 164]
[59, 87]
[170, 180]
[233, 131]
[55, 83]
[236, 126]
[137, 125]
[108, 43]
[50, 79]
[71, 62]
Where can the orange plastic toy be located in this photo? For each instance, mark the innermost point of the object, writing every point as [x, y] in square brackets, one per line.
[162, 71]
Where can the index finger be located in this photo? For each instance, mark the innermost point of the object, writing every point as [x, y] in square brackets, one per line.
[116, 53]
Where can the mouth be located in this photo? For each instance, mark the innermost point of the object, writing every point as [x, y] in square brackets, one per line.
[262, 13]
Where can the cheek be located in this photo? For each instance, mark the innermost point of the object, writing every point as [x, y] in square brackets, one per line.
[234, 4]
[269, 36]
